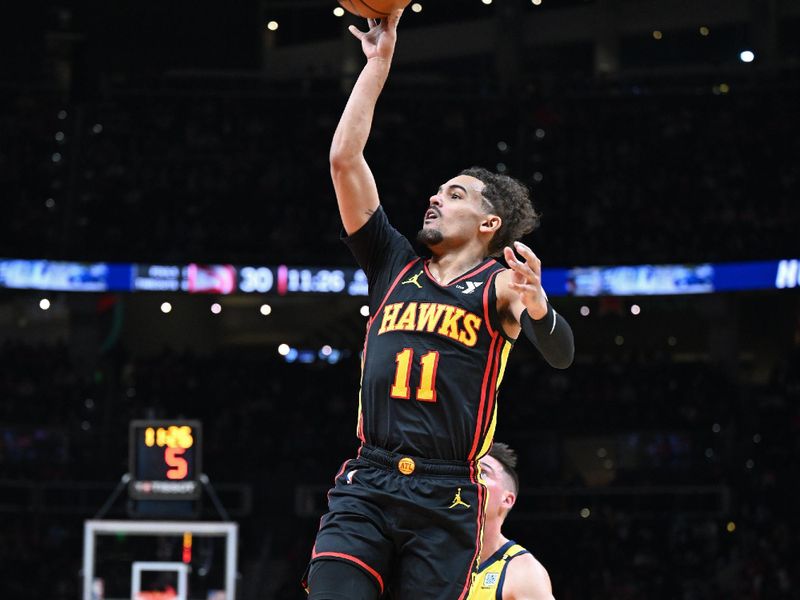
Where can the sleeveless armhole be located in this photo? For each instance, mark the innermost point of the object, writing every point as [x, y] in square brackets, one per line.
[490, 305]
[507, 558]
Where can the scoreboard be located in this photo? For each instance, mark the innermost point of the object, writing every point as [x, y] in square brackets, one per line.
[165, 460]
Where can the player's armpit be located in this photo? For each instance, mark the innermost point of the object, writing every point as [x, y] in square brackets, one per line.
[527, 579]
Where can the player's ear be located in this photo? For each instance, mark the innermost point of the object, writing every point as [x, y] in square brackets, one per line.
[490, 223]
[509, 499]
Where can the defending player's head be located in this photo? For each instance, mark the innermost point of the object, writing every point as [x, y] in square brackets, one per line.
[478, 206]
[500, 476]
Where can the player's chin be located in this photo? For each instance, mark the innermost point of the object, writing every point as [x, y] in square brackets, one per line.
[429, 236]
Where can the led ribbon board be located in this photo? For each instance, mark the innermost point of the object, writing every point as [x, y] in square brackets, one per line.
[282, 280]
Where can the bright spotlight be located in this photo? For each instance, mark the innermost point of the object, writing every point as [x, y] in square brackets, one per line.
[265, 309]
[166, 307]
[338, 11]
[365, 311]
[416, 7]
[283, 349]
[747, 56]
[216, 308]
[272, 26]
[44, 304]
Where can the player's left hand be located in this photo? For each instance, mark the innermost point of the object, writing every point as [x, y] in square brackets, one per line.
[526, 279]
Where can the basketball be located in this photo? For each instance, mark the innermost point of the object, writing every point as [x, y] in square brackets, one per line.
[373, 9]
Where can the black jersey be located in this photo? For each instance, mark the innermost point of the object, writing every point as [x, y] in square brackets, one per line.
[434, 354]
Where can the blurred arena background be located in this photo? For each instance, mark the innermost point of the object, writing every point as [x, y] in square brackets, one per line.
[187, 143]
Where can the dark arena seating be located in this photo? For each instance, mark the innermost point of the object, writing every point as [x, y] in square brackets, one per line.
[660, 466]
[622, 173]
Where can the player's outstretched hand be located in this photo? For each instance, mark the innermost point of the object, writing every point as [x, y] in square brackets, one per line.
[380, 39]
[526, 279]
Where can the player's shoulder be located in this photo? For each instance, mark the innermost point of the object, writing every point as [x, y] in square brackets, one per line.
[502, 280]
[527, 579]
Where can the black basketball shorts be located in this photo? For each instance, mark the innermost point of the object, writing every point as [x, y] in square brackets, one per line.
[413, 524]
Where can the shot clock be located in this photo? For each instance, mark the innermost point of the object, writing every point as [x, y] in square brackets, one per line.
[165, 460]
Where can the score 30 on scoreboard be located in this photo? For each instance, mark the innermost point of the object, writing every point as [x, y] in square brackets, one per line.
[165, 460]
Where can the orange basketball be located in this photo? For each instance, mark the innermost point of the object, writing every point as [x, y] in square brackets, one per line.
[373, 9]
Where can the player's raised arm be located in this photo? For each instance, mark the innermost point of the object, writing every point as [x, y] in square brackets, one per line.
[355, 187]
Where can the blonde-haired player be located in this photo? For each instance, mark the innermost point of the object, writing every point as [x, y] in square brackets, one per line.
[507, 570]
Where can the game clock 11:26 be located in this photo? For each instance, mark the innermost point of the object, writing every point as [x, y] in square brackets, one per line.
[165, 460]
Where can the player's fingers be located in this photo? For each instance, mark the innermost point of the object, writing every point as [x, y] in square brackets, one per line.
[356, 32]
[372, 23]
[510, 255]
[529, 256]
[531, 280]
[527, 294]
[520, 267]
[526, 252]
[394, 18]
[524, 288]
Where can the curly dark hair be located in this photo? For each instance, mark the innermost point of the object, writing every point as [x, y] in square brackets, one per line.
[509, 199]
[507, 457]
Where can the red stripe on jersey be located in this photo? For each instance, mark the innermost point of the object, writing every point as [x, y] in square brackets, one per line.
[491, 391]
[360, 425]
[349, 557]
[478, 534]
[486, 373]
[341, 470]
[462, 278]
[338, 474]
[486, 318]
[386, 297]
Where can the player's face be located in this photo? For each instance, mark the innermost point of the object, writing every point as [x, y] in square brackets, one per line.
[501, 493]
[454, 213]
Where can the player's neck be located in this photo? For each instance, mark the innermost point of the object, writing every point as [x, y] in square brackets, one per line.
[447, 266]
[493, 539]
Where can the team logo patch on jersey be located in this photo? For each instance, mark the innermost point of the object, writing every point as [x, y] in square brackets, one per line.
[470, 286]
[414, 279]
[490, 580]
[457, 501]
[406, 466]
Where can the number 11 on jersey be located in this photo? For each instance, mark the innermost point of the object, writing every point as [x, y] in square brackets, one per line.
[426, 392]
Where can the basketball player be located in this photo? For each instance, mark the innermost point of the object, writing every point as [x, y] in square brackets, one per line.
[507, 570]
[406, 514]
